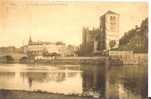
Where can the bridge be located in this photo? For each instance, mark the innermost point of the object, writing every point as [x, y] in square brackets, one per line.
[15, 57]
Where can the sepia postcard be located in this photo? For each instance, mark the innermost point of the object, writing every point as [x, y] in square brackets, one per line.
[73, 49]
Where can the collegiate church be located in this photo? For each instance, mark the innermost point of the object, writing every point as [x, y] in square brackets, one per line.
[98, 40]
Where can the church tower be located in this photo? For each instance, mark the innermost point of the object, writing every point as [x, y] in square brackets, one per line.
[30, 40]
[109, 25]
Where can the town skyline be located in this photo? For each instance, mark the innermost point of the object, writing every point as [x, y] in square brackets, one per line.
[79, 50]
[20, 22]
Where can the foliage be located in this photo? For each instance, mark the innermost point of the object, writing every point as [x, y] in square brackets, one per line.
[47, 54]
[60, 43]
[9, 59]
[112, 43]
[136, 39]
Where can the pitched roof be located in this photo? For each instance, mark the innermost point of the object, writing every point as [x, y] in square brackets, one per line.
[111, 12]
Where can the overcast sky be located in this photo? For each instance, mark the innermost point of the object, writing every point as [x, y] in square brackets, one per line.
[60, 21]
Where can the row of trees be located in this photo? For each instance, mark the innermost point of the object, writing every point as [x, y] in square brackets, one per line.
[136, 39]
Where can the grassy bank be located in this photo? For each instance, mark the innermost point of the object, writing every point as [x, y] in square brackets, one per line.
[15, 94]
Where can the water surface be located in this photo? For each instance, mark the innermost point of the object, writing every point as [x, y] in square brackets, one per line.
[118, 82]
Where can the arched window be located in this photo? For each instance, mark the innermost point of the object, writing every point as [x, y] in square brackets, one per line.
[113, 23]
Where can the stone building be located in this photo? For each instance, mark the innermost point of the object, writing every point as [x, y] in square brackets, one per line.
[98, 40]
[92, 41]
[38, 48]
[109, 25]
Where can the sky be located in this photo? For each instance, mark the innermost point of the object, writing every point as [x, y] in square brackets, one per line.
[61, 21]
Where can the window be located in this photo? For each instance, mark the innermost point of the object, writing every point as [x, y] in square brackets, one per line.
[113, 23]
[112, 18]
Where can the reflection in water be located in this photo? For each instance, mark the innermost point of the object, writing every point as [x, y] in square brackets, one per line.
[93, 79]
[136, 80]
[7, 75]
[122, 82]
[30, 82]
[43, 77]
[127, 82]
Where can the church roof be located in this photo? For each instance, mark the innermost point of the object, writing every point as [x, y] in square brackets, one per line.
[110, 12]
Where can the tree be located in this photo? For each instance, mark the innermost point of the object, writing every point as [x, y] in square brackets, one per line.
[136, 39]
[60, 43]
[112, 43]
[9, 59]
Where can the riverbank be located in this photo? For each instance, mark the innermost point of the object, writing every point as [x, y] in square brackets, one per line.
[16, 94]
[134, 59]
[69, 60]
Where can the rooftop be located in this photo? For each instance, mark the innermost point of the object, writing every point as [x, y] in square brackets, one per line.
[110, 12]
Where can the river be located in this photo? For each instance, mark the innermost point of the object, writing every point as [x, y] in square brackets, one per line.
[117, 82]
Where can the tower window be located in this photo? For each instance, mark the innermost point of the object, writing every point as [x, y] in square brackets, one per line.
[112, 18]
[113, 23]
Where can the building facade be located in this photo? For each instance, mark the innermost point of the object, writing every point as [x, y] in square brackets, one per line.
[39, 48]
[93, 41]
[97, 40]
[109, 25]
